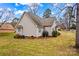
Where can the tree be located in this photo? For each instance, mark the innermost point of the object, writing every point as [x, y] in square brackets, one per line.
[6, 15]
[68, 16]
[33, 7]
[47, 13]
[69, 11]
[73, 26]
[14, 22]
[77, 26]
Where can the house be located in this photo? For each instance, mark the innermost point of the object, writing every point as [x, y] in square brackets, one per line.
[6, 27]
[32, 25]
[61, 26]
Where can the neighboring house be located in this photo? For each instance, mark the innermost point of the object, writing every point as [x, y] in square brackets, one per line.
[6, 27]
[32, 25]
[61, 26]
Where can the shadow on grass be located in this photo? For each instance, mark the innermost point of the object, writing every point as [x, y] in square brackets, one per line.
[76, 50]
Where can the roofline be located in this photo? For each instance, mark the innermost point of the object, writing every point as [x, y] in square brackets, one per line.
[20, 19]
[30, 16]
[38, 24]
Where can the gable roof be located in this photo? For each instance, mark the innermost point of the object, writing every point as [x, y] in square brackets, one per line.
[62, 26]
[6, 26]
[47, 22]
[36, 19]
[41, 22]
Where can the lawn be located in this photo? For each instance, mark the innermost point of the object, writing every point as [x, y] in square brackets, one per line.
[61, 45]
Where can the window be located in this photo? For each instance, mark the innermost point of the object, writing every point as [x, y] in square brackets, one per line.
[19, 28]
[39, 30]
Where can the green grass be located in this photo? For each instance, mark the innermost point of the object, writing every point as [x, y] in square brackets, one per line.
[61, 45]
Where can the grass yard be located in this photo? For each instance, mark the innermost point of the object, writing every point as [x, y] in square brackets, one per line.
[62, 45]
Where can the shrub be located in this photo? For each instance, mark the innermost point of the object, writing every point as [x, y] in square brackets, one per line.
[45, 34]
[59, 29]
[73, 26]
[55, 33]
[19, 36]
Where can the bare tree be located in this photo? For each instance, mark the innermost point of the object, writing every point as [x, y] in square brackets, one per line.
[14, 22]
[69, 11]
[33, 7]
[6, 15]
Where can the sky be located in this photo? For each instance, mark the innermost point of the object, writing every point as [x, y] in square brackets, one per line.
[19, 8]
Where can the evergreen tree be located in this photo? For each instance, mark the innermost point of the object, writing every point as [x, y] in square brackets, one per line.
[47, 13]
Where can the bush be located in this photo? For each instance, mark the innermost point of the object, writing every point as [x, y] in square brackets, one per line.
[55, 33]
[73, 26]
[19, 36]
[45, 34]
[59, 29]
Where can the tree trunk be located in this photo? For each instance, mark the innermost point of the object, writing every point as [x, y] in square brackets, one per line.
[77, 26]
[69, 23]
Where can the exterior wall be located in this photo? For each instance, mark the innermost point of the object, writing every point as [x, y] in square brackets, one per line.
[29, 27]
[53, 27]
[39, 32]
